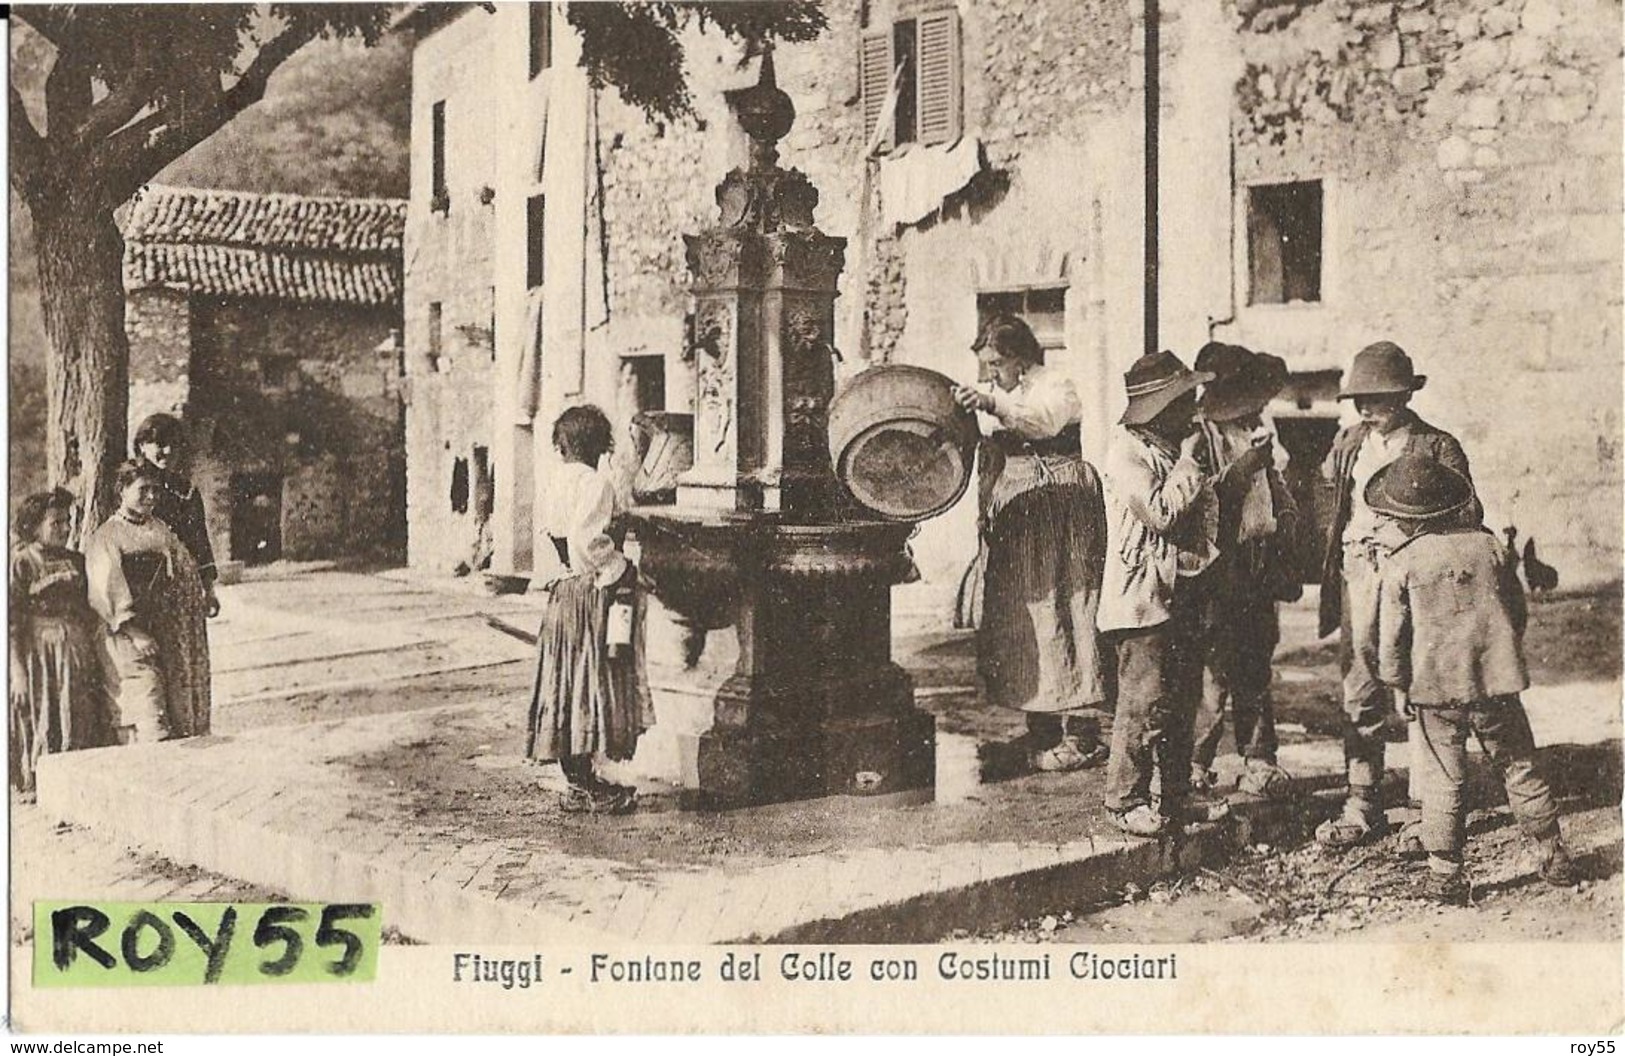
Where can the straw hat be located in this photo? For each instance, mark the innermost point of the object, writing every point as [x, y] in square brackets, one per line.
[1381, 369]
[1418, 488]
[1244, 380]
[1154, 381]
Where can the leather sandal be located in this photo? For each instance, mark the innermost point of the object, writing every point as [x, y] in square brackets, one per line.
[1263, 779]
[1138, 821]
[1068, 755]
[1351, 830]
[1558, 869]
[1447, 889]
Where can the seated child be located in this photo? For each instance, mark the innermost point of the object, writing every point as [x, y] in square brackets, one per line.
[1450, 617]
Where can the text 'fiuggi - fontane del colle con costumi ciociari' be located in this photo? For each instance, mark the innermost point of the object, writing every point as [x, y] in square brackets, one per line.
[819, 966]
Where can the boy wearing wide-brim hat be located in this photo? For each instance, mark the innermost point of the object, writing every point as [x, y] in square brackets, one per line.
[1381, 382]
[1254, 570]
[1451, 615]
[1162, 525]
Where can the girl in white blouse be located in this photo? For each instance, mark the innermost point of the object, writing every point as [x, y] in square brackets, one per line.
[588, 698]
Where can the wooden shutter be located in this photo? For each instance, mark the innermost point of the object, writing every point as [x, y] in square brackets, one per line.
[939, 107]
[874, 75]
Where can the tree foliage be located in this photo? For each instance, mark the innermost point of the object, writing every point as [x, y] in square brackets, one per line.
[132, 87]
[637, 47]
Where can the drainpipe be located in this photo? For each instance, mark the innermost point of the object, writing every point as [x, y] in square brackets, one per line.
[1213, 323]
[1153, 18]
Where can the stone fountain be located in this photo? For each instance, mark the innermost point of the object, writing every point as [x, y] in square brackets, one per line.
[762, 534]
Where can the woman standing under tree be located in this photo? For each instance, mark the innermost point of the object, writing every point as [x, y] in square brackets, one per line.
[160, 442]
[145, 586]
[1043, 523]
[58, 699]
[590, 697]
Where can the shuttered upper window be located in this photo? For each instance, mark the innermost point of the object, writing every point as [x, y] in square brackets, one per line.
[922, 55]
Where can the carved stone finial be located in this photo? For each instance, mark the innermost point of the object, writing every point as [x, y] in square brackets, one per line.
[765, 112]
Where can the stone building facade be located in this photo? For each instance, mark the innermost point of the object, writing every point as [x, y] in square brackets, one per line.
[1441, 173]
[270, 324]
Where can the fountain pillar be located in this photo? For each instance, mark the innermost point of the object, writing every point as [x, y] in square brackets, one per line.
[761, 526]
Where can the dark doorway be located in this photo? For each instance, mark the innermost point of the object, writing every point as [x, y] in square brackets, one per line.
[256, 517]
[1308, 440]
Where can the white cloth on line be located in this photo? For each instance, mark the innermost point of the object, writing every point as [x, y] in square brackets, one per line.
[914, 182]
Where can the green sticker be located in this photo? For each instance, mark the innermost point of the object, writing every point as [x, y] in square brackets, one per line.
[199, 943]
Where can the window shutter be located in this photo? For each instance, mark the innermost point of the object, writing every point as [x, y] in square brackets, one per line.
[874, 75]
[939, 77]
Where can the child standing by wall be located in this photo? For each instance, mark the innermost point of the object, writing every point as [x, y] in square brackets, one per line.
[58, 699]
[590, 697]
[1451, 616]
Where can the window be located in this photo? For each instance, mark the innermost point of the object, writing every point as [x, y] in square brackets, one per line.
[459, 485]
[436, 335]
[535, 232]
[1043, 309]
[1284, 242]
[541, 38]
[923, 53]
[648, 379]
[440, 197]
[905, 121]
[279, 373]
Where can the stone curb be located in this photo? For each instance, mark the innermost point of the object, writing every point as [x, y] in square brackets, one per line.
[283, 857]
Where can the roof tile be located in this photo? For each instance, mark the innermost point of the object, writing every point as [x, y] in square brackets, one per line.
[280, 246]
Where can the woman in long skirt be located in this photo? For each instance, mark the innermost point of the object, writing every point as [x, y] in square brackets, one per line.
[591, 696]
[144, 584]
[1044, 530]
[58, 698]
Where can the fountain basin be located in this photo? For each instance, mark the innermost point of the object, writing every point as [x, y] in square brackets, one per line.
[815, 705]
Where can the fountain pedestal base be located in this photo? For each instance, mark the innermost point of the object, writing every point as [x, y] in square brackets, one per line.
[796, 745]
[815, 706]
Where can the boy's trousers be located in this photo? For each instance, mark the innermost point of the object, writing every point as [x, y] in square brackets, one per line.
[1502, 727]
[1242, 632]
[1158, 687]
[1366, 701]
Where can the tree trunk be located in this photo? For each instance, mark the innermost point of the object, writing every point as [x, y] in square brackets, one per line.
[81, 257]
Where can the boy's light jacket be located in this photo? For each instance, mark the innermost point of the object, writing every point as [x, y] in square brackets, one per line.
[1159, 508]
[1425, 439]
[1450, 619]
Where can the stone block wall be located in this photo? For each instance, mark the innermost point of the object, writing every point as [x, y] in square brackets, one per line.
[450, 407]
[1471, 153]
[158, 326]
[323, 414]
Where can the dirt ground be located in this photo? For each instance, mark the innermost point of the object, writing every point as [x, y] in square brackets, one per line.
[469, 776]
[1298, 892]
[1303, 894]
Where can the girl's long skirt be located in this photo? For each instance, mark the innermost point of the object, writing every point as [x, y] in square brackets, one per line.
[586, 702]
[164, 694]
[1046, 552]
[58, 698]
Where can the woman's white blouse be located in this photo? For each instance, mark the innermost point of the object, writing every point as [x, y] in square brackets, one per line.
[578, 510]
[1044, 403]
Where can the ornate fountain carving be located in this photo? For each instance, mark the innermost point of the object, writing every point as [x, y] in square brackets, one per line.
[762, 534]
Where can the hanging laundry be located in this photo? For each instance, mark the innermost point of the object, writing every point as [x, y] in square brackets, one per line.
[915, 181]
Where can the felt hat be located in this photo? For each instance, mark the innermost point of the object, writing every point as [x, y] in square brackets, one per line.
[1244, 380]
[1381, 369]
[1417, 488]
[1154, 381]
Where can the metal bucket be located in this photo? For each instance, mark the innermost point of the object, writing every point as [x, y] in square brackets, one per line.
[899, 442]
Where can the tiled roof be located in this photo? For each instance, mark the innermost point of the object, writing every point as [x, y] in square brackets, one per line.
[278, 246]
